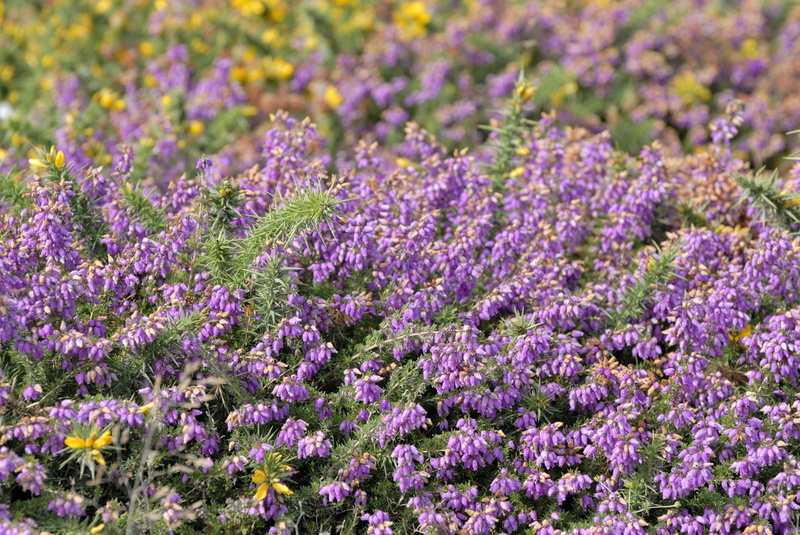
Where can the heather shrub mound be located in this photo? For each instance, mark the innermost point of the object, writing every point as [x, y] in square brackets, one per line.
[545, 335]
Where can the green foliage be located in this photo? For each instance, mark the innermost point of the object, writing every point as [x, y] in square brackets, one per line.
[230, 260]
[406, 384]
[142, 208]
[325, 29]
[519, 325]
[269, 301]
[510, 131]
[33, 133]
[550, 84]
[91, 225]
[780, 207]
[219, 254]
[222, 207]
[132, 367]
[640, 491]
[692, 215]
[12, 192]
[660, 270]
[630, 135]
[309, 209]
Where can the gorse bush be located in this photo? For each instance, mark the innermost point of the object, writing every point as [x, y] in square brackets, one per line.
[549, 336]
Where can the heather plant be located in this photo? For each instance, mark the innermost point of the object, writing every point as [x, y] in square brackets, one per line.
[546, 335]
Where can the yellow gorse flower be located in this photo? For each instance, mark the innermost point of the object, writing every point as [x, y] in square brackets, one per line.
[260, 479]
[249, 8]
[145, 409]
[91, 444]
[517, 172]
[526, 92]
[110, 99]
[196, 128]
[402, 162]
[749, 49]
[271, 477]
[744, 333]
[412, 18]
[558, 96]
[689, 89]
[53, 156]
[789, 198]
[264, 482]
[332, 97]
[281, 488]
[147, 49]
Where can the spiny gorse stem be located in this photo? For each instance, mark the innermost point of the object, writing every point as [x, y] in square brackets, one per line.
[12, 192]
[512, 127]
[91, 226]
[219, 254]
[223, 206]
[230, 260]
[307, 211]
[142, 208]
[660, 270]
[773, 204]
[269, 302]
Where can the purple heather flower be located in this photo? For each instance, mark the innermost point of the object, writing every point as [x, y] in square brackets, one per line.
[347, 427]
[313, 445]
[203, 165]
[172, 512]
[290, 432]
[406, 476]
[504, 484]
[70, 505]
[323, 408]
[400, 422]
[31, 477]
[335, 492]
[10, 462]
[32, 392]
[379, 523]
